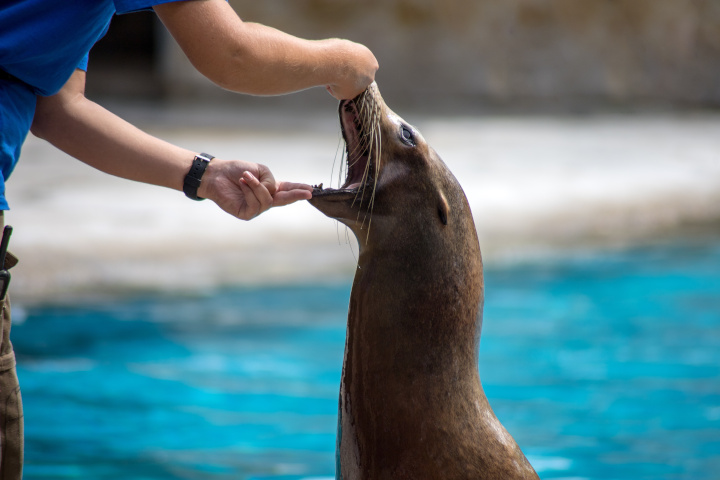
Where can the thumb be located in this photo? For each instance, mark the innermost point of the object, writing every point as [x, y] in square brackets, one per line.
[267, 179]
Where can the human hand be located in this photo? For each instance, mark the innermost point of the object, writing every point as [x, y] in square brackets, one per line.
[246, 189]
[356, 69]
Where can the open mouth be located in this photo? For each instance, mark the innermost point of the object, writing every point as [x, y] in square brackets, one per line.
[360, 170]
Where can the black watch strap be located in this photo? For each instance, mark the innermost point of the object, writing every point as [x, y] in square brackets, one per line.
[194, 176]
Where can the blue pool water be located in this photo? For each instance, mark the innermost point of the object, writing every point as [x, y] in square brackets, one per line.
[602, 366]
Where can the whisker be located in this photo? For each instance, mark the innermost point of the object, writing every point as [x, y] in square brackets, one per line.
[376, 140]
[339, 151]
[371, 131]
[367, 144]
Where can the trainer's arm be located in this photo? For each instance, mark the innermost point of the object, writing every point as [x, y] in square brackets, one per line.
[88, 132]
[255, 59]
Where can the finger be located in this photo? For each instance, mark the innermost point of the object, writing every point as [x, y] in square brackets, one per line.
[252, 204]
[291, 196]
[261, 192]
[266, 177]
[287, 186]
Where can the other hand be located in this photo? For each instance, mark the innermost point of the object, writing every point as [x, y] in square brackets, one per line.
[247, 189]
[356, 70]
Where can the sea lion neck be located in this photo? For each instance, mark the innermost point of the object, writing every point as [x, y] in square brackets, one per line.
[410, 299]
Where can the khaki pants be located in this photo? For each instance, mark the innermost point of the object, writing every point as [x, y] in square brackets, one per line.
[11, 413]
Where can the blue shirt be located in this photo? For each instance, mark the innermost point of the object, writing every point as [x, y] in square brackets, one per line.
[42, 42]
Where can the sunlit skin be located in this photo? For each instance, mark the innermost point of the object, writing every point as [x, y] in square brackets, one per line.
[238, 56]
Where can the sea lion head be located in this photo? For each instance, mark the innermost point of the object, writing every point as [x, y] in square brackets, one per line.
[397, 189]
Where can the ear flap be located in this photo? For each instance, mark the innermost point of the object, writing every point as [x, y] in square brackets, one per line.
[443, 209]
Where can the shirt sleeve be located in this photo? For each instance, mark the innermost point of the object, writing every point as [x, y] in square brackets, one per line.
[83, 63]
[127, 6]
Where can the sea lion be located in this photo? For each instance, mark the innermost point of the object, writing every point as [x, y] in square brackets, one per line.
[411, 403]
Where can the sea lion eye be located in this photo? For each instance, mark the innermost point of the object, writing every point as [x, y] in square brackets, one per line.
[407, 136]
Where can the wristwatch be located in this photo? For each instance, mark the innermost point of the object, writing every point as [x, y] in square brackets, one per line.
[194, 176]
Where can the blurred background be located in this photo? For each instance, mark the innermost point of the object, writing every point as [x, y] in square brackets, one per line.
[160, 338]
[456, 53]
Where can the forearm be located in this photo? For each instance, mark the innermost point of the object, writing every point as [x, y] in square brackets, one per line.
[92, 134]
[88, 132]
[260, 60]
[269, 62]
